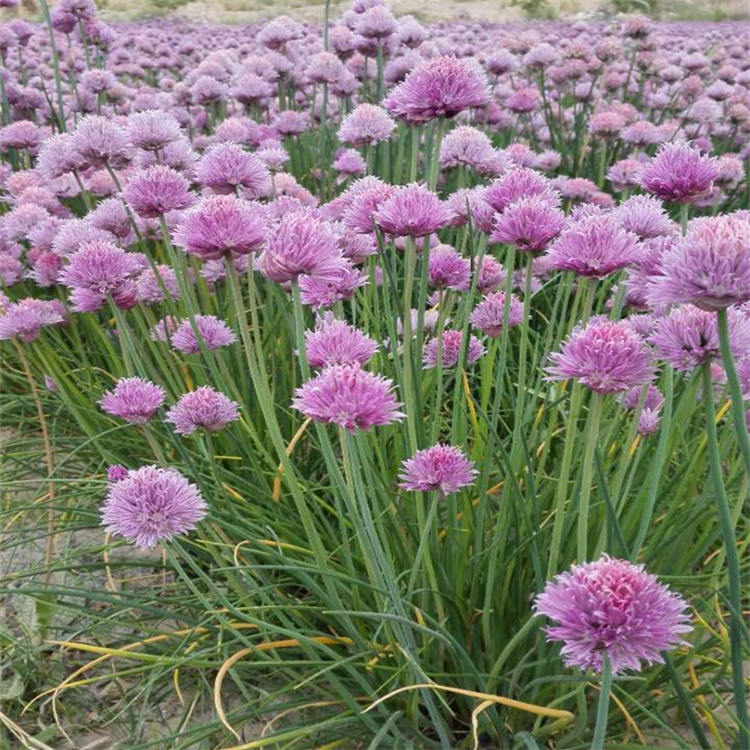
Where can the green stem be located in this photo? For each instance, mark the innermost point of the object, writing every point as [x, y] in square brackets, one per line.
[592, 435]
[736, 620]
[602, 709]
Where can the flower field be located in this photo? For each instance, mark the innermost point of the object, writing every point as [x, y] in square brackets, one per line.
[369, 384]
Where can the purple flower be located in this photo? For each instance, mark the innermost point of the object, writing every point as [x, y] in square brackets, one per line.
[58, 157]
[472, 205]
[593, 246]
[528, 223]
[412, 211]
[99, 141]
[469, 147]
[448, 270]
[215, 333]
[452, 344]
[152, 504]
[116, 473]
[679, 173]
[349, 397]
[226, 168]
[441, 468]
[364, 198]
[301, 244]
[689, 337]
[156, 191]
[366, 124]
[152, 129]
[26, 318]
[133, 399]
[100, 267]
[489, 314]
[221, 225]
[519, 183]
[614, 607]
[709, 267]
[204, 407]
[335, 342]
[644, 216]
[604, 356]
[150, 285]
[111, 216]
[324, 291]
[440, 87]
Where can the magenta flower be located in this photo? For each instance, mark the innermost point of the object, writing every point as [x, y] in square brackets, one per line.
[593, 246]
[441, 468]
[226, 168]
[489, 314]
[152, 504]
[349, 397]
[58, 157]
[204, 407]
[491, 275]
[325, 290]
[528, 223]
[152, 129]
[214, 333]
[412, 211]
[448, 270]
[335, 342]
[133, 399]
[156, 191]
[100, 267]
[689, 337]
[365, 124]
[151, 285]
[469, 147]
[222, 225]
[440, 87]
[116, 473]
[614, 607]
[98, 141]
[605, 356]
[644, 215]
[364, 198]
[519, 183]
[452, 344]
[25, 319]
[679, 173]
[301, 244]
[709, 267]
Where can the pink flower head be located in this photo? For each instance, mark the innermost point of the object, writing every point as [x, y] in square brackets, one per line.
[439, 87]
[26, 318]
[222, 225]
[448, 270]
[709, 267]
[152, 504]
[152, 129]
[214, 333]
[520, 183]
[364, 197]
[116, 473]
[412, 211]
[644, 215]
[605, 356]
[614, 607]
[689, 337]
[594, 246]
[204, 407]
[98, 141]
[133, 399]
[100, 267]
[365, 124]
[491, 275]
[528, 223]
[349, 397]
[111, 216]
[679, 173]
[471, 204]
[452, 345]
[335, 342]
[469, 147]
[301, 244]
[325, 290]
[151, 285]
[489, 314]
[156, 191]
[625, 173]
[227, 168]
[58, 156]
[441, 468]
[376, 22]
